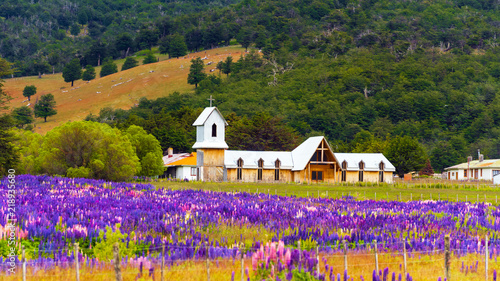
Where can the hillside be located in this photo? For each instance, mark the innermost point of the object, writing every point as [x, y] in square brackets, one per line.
[120, 90]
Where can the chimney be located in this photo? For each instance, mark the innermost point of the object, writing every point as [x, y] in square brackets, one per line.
[469, 159]
[170, 152]
[481, 158]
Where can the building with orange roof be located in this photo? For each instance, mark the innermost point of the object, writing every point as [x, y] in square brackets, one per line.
[481, 169]
[180, 166]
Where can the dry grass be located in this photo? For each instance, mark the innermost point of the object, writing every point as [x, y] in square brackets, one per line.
[75, 103]
[423, 268]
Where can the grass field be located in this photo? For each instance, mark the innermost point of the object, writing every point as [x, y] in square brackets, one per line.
[119, 90]
[399, 191]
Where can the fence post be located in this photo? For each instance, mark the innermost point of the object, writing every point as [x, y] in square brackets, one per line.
[327, 194]
[477, 200]
[439, 196]
[318, 193]
[387, 194]
[421, 196]
[404, 257]
[77, 265]
[447, 257]
[457, 197]
[376, 255]
[400, 196]
[242, 263]
[307, 194]
[466, 199]
[116, 255]
[162, 274]
[375, 196]
[208, 262]
[345, 255]
[24, 263]
[486, 257]
[317, 259]
[411, 196]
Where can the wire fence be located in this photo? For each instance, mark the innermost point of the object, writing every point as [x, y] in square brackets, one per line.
[322, 265]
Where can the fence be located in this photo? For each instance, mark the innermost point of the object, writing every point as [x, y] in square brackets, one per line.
[431, 264]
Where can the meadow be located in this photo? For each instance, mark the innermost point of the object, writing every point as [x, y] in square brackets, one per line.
[120, 90]
[210, 229]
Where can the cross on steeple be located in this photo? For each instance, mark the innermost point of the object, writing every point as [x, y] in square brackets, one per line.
[211, 99]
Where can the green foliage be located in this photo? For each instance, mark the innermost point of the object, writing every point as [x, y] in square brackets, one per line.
[89, 73]
[22, 116]
[260, 133]
[130, 62]
[75, 30]
[88, 147]
[29, 91]
[406, 154]
[45, 107]
[173, 45]
[72, 71]
[104, 248]
[150, 58]
[227, 65]
[29, 145]
[196, 74]
[80, 172]
[108, 67]
[148, 149]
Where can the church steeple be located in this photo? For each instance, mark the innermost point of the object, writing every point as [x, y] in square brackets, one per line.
[210, 129]
[210, 144]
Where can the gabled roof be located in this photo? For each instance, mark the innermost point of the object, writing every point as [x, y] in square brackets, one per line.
[181, 159]
[251, 159]
[475, 164]
[200, 121]
[371, 161]
[303, 153]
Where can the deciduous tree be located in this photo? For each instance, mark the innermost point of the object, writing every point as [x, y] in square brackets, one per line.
[406, 154]
[89, 73]
[196, 74]
[129, 63]
[29, 91]
[45, 107]
[108, 67]
[22, 116]
[72, 71]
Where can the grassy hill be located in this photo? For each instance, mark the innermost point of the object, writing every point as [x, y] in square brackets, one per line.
[120, 90]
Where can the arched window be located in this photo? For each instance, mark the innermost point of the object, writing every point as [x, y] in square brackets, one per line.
[277, 165]
[239, 170]
[361, 171]
[260, 163]
[381, 167]
[344, 171]
[214, 130]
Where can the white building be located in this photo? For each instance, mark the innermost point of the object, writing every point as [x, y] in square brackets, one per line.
[474, 170]
[180, 166]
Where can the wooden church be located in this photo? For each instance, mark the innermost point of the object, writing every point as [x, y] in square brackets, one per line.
[312, 161]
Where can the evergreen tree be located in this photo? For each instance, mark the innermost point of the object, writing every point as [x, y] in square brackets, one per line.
[129, 63]
[45, 107]
[227, 65]
[427, 170]
[89, 73]
[22, 116]
[177, 46]
[75, 30]
[53, 59]
[40, 66]
[196, 74]
[72, 71]
[108, 67]
[29, 91]
[406, 154]
[150, 58]
[244, 37]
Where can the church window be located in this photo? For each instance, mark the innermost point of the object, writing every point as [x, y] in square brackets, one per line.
[361, 171]
[381, 172]
[277, 165]
[193, 172]
[259, 171]
[344, 171]
[214, 130]
[239, 170]
[317, 175]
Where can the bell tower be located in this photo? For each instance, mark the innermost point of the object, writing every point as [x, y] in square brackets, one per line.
[210, 144]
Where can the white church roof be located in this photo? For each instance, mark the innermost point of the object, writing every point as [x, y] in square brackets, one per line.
[200, 121]
[303, 153]
[251, 159]
[371, 160]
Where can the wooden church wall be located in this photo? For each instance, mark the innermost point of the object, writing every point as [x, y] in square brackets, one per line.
[251, 175]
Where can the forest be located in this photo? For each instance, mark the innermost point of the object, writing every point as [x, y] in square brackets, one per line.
[359, 72]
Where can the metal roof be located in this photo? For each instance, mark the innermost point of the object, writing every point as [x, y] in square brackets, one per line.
[371, 160]
[200, 121]
[303, 153]
[475, 164]
[251, 159]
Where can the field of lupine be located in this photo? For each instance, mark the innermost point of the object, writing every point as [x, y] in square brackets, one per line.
[195, 226]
